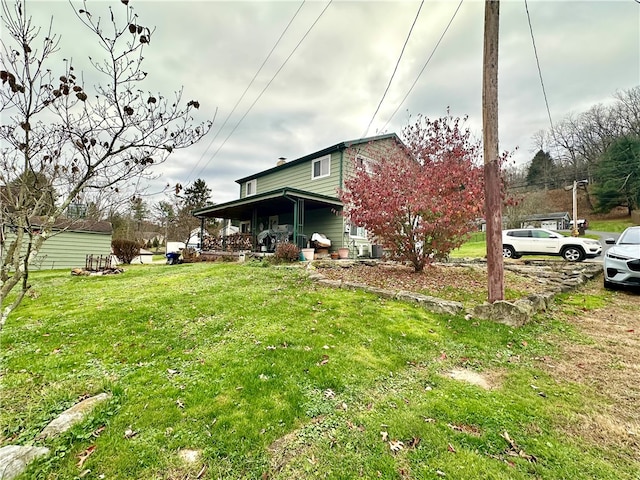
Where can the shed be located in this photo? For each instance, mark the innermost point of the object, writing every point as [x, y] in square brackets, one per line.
[551, 221]
[70, 243]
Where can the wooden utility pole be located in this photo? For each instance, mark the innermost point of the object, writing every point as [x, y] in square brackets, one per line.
[492, 184]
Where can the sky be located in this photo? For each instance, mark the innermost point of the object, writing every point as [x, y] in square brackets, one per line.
[325, 79]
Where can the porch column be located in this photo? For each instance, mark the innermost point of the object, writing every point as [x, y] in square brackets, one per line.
[254, 228]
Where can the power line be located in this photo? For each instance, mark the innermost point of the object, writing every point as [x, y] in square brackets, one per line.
[246, 89]
[394, 70]
[424, 66]
[266, 86]
[535, 51]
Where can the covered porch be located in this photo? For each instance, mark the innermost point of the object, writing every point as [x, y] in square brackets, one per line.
[265, 220]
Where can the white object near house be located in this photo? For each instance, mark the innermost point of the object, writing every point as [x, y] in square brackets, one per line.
[175, 247]
[145, 256]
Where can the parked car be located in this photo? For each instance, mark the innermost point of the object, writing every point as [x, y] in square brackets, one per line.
[540, 241]
[622, 260]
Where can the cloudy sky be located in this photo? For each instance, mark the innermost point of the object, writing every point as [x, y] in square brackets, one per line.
[339, 58]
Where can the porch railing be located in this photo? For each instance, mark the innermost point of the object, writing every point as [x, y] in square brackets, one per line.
[231, 243]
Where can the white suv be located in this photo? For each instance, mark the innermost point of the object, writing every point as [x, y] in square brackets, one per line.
[539, 241]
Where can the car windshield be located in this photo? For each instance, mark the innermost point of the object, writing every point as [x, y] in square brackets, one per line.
[630, 237]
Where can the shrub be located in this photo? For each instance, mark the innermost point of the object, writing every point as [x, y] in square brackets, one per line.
[287, 253]
[125, 250]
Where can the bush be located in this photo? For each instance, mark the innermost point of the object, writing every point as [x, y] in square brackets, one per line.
[125, 250]
[287, 253]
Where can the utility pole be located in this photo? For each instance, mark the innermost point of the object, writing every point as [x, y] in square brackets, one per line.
[493, 200]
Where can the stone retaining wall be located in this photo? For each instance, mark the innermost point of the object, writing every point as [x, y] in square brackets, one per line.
[558, 277]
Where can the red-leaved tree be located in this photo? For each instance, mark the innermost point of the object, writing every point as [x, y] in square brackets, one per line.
[420, 202]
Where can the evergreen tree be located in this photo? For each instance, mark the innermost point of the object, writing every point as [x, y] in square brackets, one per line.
[619, 175]
[542, 171]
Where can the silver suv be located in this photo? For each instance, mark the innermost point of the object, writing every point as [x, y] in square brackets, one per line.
[540, 241]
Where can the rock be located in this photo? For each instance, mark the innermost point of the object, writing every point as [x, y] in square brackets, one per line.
[433, 304]
[71, 416]
[14, 459]
[504, 312]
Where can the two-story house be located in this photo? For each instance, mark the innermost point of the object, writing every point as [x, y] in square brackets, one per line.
[297, 198]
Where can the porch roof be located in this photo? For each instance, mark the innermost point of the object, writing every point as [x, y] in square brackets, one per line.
[270, 203]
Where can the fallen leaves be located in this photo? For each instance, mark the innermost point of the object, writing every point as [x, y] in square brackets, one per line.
[324, 361]
[82, 457]
[396, 445]
[515, 451]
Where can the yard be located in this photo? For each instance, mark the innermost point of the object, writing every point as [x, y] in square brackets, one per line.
[251, 372]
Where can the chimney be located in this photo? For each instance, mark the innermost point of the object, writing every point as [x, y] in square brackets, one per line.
[281, 161]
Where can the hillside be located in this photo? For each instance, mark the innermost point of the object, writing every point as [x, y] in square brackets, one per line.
[560, 200]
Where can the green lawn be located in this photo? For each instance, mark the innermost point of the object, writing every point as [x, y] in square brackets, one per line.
[268, 375]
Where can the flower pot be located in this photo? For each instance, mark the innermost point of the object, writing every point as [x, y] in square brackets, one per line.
[343, 252]
[334, 255]
[307, 253]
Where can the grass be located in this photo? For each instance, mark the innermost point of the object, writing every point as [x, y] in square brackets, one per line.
[270, 376]
[614, 226]
[476, 247]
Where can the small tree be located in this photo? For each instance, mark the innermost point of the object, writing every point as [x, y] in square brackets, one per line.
[57, 132]
[421, 202]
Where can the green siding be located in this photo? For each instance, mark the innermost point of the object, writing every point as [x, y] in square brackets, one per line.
[376, 151]
[326, 222]
[69, 249]
[299, 176]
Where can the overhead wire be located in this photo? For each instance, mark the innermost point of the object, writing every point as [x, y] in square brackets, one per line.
[394, 70]
[535, 52]
[246, 89]
[544, 91]
[424, 66]
[266, 86]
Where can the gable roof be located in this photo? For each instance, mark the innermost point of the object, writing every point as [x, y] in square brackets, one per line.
[320, 153]
[548, 216]
[74, 225]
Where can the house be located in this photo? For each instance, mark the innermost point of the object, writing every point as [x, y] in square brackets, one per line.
[295, 199]
[69, 244]
[551, 221]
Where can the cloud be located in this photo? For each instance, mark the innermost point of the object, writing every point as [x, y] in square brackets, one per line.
[332, 83]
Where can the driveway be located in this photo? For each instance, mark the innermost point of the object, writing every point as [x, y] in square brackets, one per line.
[603, 236]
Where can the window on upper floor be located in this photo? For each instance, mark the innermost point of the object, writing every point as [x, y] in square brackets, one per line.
[364, 163]
[321, 167]
[251, 187]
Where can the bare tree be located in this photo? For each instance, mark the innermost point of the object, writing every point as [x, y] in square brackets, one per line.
[581, 140]
[54, 129]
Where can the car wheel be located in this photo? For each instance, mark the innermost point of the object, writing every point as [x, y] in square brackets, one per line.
[508, 252]
[573, 254]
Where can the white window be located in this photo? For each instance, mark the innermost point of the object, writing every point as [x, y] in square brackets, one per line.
[364, 163]
[251, 187]
[321, 167]
[245, 227]
[356, 231]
